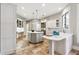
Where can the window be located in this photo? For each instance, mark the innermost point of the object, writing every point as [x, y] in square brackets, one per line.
[65, 20]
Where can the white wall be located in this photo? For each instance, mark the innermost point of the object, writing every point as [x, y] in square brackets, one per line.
[78, 24]
[73, 22]
[8, 28]
[72, 8]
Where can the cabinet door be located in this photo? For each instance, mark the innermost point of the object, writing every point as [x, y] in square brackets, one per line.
[8, 28]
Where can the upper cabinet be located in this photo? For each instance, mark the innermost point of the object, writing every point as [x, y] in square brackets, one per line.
[57, 23]
[19, 23]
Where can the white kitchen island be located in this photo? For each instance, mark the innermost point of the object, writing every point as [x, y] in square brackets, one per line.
[35, 37]
[61, 44]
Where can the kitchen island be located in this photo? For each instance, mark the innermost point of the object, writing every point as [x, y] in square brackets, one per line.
[61, 43]
[35, 37]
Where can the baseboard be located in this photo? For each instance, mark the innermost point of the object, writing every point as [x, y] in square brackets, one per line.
[9, 52]
[57, 53]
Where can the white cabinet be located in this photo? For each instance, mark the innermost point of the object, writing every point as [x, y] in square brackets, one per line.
[8, 28]
[64, 46]
[35, 37]
[36, 25]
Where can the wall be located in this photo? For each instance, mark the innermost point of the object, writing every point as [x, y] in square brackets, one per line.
[8, 28]
[72, 8]
[73, 22]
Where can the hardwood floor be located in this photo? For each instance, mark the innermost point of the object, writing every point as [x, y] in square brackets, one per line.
[26, 48]
[32, 49]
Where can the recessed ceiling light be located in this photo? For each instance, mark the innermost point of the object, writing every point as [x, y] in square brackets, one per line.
[43, 5]
[22, 7]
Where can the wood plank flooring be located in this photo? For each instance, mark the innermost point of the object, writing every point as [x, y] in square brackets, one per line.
[32, 49]
[26, 48]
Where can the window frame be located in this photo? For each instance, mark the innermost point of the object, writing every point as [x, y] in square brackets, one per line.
[65, 25]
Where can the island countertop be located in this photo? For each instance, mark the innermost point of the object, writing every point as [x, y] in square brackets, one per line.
[57, 38]
[34, 32]
[53, 40]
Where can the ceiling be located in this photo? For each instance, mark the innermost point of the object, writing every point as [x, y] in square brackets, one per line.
[27, 10]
